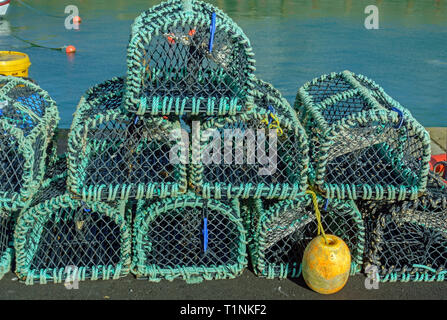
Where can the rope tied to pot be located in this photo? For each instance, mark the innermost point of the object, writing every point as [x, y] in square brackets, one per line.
[317, 215]
[272, 121]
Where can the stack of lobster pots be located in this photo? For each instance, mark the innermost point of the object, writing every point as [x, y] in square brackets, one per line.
[190, 166]
[191, 140]
[28, 119]
[365, 147]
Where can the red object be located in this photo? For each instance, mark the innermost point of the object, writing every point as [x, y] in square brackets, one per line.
[165, 117]
[77, 19]
[170, 39]
[437, 158]
[70, 49]
[440, 169]
[192, 32]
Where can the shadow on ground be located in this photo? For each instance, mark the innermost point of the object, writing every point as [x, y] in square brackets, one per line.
[245, 287]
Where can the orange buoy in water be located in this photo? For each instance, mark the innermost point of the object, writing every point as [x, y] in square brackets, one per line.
[326, 266]
[77, 19]
[70, 49]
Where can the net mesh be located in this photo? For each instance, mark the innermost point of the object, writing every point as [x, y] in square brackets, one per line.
[117, 155]
[60, 239]
[262, 153]
[5, 241]
[280, 232]
[28, 117]
[363, 144]
[189, 238]
[179, 63]
[407, 240]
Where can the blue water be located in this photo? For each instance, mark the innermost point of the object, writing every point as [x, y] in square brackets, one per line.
[294, 41]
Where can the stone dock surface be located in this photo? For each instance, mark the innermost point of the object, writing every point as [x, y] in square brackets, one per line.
[438, 137]
[245, 287]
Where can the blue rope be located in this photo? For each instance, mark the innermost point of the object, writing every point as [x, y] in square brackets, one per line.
[205, 234]
[401, 115]
[85, 209]
[212, 30]
[272, 110]
[326, 204]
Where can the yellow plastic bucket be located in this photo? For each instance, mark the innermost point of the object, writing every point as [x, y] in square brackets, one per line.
[14, 63]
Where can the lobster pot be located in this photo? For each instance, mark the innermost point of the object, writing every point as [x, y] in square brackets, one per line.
[363, 144]
[118, 155]
[60, 239]
[281, 232]
[98, 99]
[407, 240]
[188, 238]
[5, 241]
[249, 208]
[28, 117]
[58, 169]
[260, 153]
[187, 57]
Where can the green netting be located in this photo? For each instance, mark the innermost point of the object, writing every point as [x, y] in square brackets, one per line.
[59, 238]
[117, 155]
[51, 151]
[178, 63]
[281, 231]
[189, 238]
[57, 168]
[237, 156]
[363, 144]
[5, 239]
[248, 209]
[28, 117]
[407, 240]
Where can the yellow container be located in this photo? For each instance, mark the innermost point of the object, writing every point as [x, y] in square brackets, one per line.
[14, 63]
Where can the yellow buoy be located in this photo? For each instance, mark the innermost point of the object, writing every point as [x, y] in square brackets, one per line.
[326, 259]
[14, 63]
[326, 265]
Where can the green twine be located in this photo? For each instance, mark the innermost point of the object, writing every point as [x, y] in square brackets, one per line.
[325, 137]
[147, 213]
[32, 147]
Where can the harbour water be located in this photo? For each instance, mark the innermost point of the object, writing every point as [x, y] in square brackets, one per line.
[294, 41]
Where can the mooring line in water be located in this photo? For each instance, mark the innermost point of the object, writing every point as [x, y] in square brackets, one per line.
[33, 44]
[39, 11]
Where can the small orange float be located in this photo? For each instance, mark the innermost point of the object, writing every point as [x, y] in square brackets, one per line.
[70, 49]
